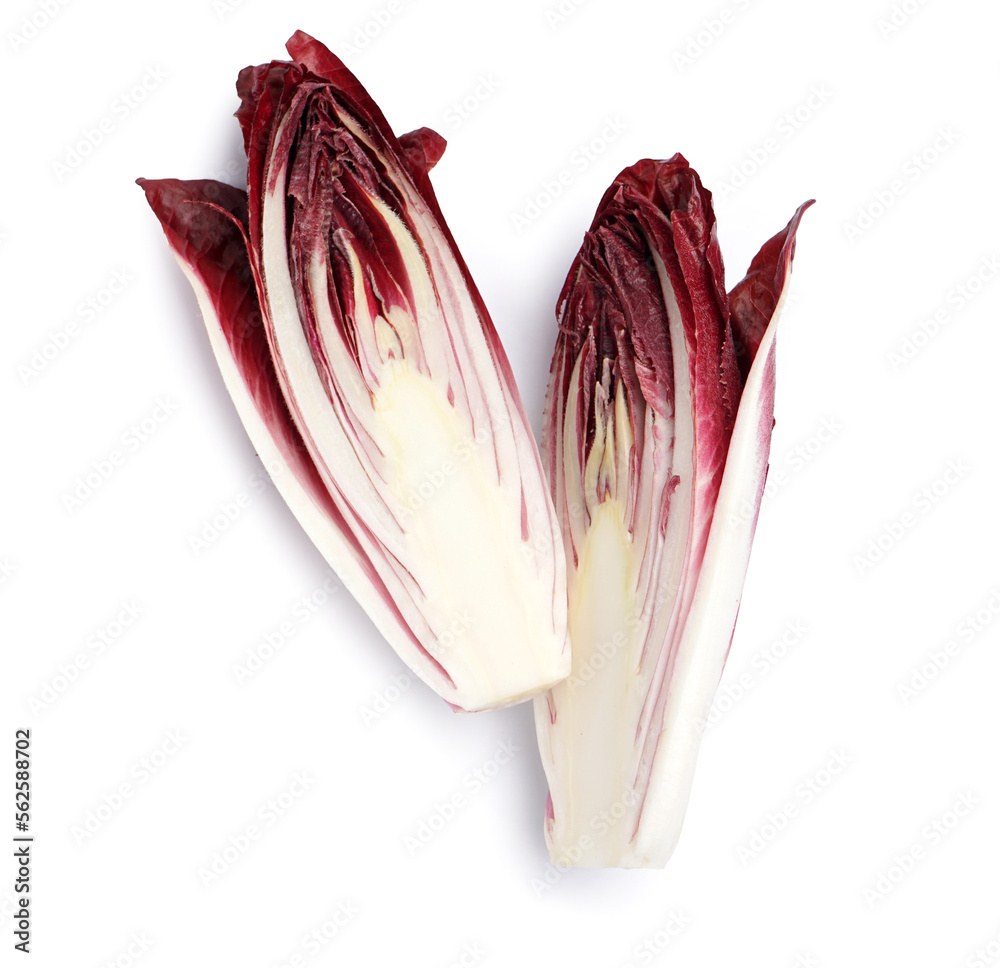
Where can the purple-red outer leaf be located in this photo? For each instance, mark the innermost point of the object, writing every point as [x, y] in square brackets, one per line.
[753, 299]
[205, 222]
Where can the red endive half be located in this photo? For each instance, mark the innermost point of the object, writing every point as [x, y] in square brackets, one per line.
[372, 383]
[656, 437]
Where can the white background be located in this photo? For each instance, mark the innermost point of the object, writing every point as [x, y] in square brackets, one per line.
[880, 99]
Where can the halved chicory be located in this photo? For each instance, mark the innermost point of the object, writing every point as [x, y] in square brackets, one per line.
[371, 380]
[655, 440]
